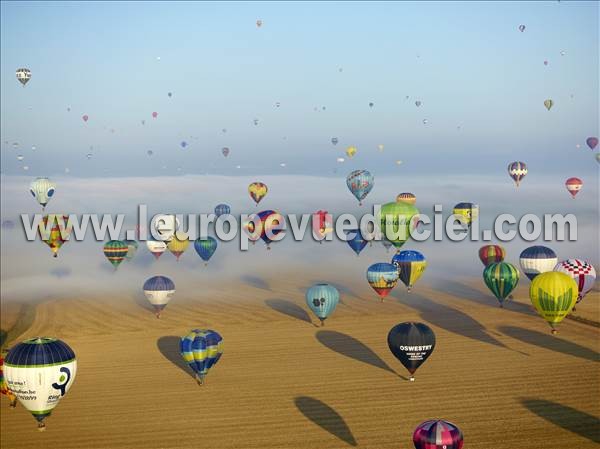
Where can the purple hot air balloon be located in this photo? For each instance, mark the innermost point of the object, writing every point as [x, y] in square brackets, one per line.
[225, 151]
[592, 142]
[437, 434]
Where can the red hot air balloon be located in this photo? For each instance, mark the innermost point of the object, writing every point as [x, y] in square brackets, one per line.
[574, 185]
[437, 434]
[85, 117]
[592, 142]
[154, 114]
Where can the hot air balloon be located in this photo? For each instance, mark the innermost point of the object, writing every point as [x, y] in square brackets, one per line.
[592, 142]
[40, 371]
[150, 152]
[574, 185]
[154, 114]
[42, 190]
[54, 231]
[23, 76]
[410, 265]
[537, 259]
[115, 251]
[4, 390]
[412, 344]
[178, 244]
[322, 224]
[553, 294]
[581, 271]
[501, 278]
[183, 144]
[156, 247]
[271, 225]
[548, 103]
[334, 140]
[360, 183]
[382, 278]
[468, 212]
[438, 434]
[355, 240]
[201, 350]
[257, 191]
[20, 157]
[132, 247]
[545, 62]
[418, 103]
[371, 104]
[205, 247]
[259, 23]
[169, 94]
[517, 171]
[397, 221]
[406, 197]
[521, 28]
[350, 152]
[225, 151]
[222, 209]
[322, 300]
[491, 254]
[85, 117]
[159, 290]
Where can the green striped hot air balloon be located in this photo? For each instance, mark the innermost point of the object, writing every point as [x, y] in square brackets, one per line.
[116, 251]
[501, 278]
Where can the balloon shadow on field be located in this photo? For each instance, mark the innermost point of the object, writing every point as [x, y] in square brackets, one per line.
[325, 417]
[451, 319]
[143, 303]
[289, 308]
[256, 282]
[551, 342]
[568, 418]
[351, 347]
[169, 348]
[485, 298]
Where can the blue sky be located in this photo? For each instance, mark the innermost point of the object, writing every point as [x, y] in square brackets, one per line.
[467, 62]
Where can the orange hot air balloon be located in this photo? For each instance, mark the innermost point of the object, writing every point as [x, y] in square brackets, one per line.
[574, 185]
[406, 197]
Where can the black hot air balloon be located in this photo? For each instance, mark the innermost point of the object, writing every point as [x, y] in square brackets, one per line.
[412, 344]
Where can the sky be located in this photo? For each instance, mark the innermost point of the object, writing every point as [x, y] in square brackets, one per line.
[307, 75]
[481, 81]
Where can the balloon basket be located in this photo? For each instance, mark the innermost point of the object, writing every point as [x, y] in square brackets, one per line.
[554, 332]
[411, 378]
[41, 427]
[322, 322]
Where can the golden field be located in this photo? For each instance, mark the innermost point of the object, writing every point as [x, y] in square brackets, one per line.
[284, 382]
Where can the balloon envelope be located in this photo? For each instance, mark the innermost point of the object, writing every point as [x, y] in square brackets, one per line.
[517, 171]
[355, 240]
[115, 251]
[537, 259]
[257, 191]
[159, 290]
[574, 185]
[410, 265]
[406, 197]
[322, 300]
[412, 344]
[201, 349]
[205, 247]
[360, 183]
[382, 278]
[491, 254]
[553, 294]
[437, 434]
[42, 190]
[397, 220]
[40, 372]
[501, 278]
[156, 247]
[582, 272]
[23, 76]
[592, 142]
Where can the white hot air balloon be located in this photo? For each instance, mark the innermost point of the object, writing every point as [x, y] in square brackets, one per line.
[42, 190]
[157, 248]
[40, 371]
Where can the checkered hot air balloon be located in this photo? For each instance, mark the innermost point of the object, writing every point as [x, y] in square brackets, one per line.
[116, 251]
[23, 76]
[437, 434]
[517, 171]
[201, 349]
[581, 271]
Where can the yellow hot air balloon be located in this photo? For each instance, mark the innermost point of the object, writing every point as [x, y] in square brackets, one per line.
[553, 294]
[351, 151]
[178, 244]
[257, 191]
[548, 103]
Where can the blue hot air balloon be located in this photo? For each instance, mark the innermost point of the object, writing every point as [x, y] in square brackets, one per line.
[355, 240]
[201, 350]
[159, 290]
[205, 248]
[222, 209]
[536, 260]
[360, 183]
[322, 299]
